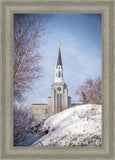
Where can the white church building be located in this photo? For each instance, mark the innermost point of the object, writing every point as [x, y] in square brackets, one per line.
[59, 99]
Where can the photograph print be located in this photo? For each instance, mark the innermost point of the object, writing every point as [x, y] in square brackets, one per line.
[57, 80]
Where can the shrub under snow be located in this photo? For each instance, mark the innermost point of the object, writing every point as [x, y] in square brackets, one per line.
[77, 126]
[20, 116]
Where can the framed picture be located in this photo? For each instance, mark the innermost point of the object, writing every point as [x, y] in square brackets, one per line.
[63, 50]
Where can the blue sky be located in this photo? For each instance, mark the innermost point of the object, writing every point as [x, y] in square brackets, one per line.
[81, 51]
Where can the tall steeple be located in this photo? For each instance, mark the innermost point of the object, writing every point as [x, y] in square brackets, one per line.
[59, 99]
[59, 67]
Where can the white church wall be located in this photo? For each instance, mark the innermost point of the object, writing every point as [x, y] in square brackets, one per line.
[38, 112]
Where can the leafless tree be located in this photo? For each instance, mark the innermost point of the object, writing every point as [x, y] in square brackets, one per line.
[90, 91]
[28, 32]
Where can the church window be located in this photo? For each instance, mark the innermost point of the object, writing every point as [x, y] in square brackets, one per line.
[56, 74]
[59, 102]
[59, 74]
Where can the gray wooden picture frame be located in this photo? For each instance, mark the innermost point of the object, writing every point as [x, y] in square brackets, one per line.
[107, 9]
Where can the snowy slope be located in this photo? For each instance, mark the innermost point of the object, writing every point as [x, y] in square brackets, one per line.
[77, 126]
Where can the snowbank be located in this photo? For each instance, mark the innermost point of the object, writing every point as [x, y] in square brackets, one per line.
[77, 126]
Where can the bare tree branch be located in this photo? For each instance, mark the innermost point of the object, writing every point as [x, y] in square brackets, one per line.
[90, 91]
[28, 33]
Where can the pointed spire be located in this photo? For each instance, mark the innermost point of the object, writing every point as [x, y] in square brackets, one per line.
[59, 61]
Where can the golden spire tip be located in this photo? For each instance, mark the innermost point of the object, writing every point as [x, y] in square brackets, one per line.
[59, 43]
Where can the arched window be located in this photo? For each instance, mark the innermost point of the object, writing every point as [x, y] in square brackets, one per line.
[56, 74]
[59, 74]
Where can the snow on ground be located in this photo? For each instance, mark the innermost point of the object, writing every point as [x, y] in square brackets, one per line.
[77, 126]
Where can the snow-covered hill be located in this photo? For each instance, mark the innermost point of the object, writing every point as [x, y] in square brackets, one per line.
[77, 126]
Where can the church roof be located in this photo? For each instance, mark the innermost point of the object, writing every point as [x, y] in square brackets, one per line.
[59, 60]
